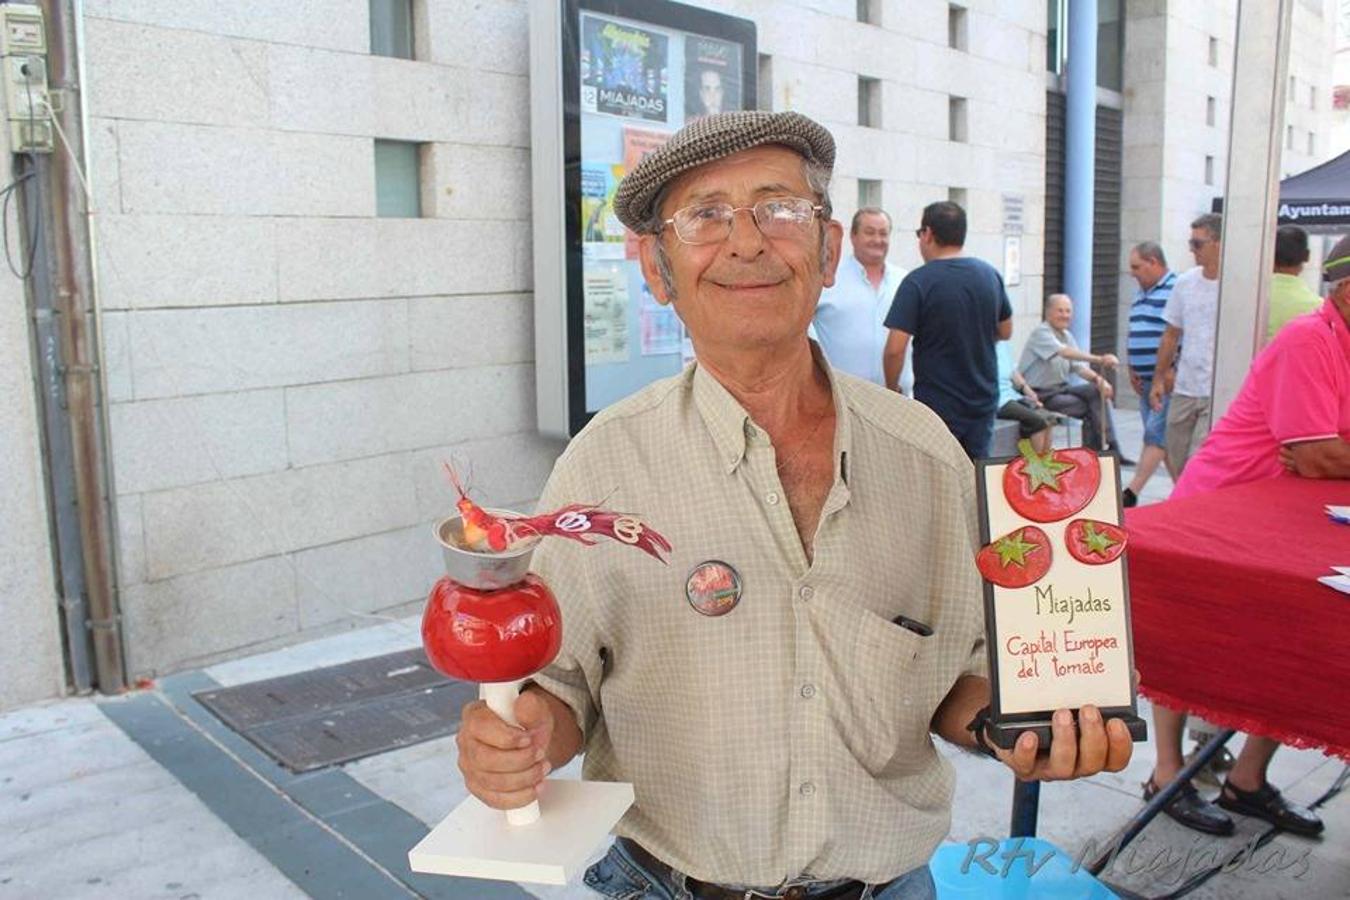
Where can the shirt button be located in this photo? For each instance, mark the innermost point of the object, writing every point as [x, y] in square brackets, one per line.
[806, 592]
[771, 498]
[808, 691]
[807, 789]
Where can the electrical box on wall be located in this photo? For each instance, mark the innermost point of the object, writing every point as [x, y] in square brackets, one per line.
[23, 65]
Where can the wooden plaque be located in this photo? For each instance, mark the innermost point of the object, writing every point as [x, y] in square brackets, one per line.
[1056, 590]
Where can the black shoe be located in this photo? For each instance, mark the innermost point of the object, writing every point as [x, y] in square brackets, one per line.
[1193, 811]
[1267, 803]
[1128, 498]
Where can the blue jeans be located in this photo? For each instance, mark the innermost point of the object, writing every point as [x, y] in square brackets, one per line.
[1155, 423]
[619, 877]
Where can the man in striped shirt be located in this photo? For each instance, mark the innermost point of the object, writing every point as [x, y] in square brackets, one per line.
[1148, 266]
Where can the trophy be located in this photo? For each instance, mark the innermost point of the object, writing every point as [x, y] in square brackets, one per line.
[1056, 591]
[491, 621]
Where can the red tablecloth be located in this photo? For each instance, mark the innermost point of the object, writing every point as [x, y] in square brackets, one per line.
[1230, 621]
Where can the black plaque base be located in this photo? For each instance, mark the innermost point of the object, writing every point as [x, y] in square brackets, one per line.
[1005, 734]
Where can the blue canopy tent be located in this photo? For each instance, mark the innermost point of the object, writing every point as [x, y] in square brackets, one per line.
[1317, 200]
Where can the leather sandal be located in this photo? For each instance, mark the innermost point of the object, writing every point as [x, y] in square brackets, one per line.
[1192, 810]
[1266, 802]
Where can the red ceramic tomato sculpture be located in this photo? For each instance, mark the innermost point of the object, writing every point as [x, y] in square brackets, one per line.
[501, 635]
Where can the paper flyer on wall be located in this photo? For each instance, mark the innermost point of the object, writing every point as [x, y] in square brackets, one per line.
[599, 224]
[624, 70]
[605, 321]
[659, 329]
[712, 77]
[637, 143]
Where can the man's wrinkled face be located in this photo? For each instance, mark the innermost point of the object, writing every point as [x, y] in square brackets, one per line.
[1060, 314]
[748, 290]
[872, 240]
[1145, 271]
[1204, 248]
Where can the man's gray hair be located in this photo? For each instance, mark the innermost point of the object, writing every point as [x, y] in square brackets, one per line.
[1151, 251]
[817, 178]
[869, 211]
[1212, 223]
[1050, 301]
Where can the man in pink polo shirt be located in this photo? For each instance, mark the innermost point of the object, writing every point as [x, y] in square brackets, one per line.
[1291, 418]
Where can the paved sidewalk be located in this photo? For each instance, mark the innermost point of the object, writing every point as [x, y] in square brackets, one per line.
[149, 796]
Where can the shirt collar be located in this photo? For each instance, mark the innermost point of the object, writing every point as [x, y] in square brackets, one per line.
[728, 422]
[1164, 282]
[1333, 318]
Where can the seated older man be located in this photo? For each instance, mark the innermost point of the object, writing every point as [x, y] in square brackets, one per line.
[772, 695]
[1051, 355]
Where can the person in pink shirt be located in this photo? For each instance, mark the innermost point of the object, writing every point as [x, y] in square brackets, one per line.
[1291, 419]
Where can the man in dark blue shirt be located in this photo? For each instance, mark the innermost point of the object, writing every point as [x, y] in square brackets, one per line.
[955, 308]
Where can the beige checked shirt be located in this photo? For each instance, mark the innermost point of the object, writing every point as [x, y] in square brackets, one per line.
[788, 737]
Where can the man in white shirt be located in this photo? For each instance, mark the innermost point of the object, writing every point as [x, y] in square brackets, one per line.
[1191, 314]
[850, 318]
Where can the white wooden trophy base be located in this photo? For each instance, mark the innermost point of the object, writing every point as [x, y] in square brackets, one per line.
[476, 841]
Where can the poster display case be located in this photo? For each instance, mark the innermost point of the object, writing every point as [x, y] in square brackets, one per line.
[611, 80]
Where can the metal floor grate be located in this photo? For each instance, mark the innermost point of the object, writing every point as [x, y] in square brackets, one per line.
[341, 713]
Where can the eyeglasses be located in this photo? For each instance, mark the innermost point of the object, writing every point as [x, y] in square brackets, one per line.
[778, 217]
[918, 232]
[1197, 243]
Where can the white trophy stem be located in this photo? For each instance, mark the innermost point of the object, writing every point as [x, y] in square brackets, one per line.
[500, 697]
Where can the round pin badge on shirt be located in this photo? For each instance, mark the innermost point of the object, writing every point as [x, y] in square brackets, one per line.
[713, 588]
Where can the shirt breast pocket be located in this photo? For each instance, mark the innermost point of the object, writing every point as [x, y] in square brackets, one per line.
[892, 703]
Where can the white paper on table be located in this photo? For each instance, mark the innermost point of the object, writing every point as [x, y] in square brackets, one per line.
[1337, 582]
[1339, 512]
[1341, 570]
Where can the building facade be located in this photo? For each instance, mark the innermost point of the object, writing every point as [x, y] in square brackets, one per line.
[314, 268]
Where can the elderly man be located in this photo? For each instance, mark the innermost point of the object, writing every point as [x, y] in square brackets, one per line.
[1292, 413]
[1051, 355]
[850, 318]
[772, 695]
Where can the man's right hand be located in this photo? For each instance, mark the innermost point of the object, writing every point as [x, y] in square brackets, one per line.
[503, 765]
[1108, 361]
[1155, 394]
[1136, 382]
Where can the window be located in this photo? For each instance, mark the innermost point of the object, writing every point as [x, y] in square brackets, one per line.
[957, 195]
[1110, 44]
[869, 12]
[956, 119]
[391, 28]
[1293, 87]
[1213, 51]
[765, 99]
[1209, 170]
[1312, 96]
[398, 179]
[957, 38]
[1210, 110]
[869, 102]
[1289, 137]
[869, 192]
[1312, 144]
[1057, 23]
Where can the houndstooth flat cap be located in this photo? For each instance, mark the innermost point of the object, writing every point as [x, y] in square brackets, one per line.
[710, 138]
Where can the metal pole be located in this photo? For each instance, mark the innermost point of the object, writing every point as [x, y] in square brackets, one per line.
[1080, 163]
[1025, 808]
[72, 278]
[58, 453]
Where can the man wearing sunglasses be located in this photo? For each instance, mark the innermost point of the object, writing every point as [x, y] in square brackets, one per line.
[1192, 312]
[772, 693]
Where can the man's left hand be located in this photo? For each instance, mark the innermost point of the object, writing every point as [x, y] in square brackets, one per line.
[1105, 388]
[1094, 746]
